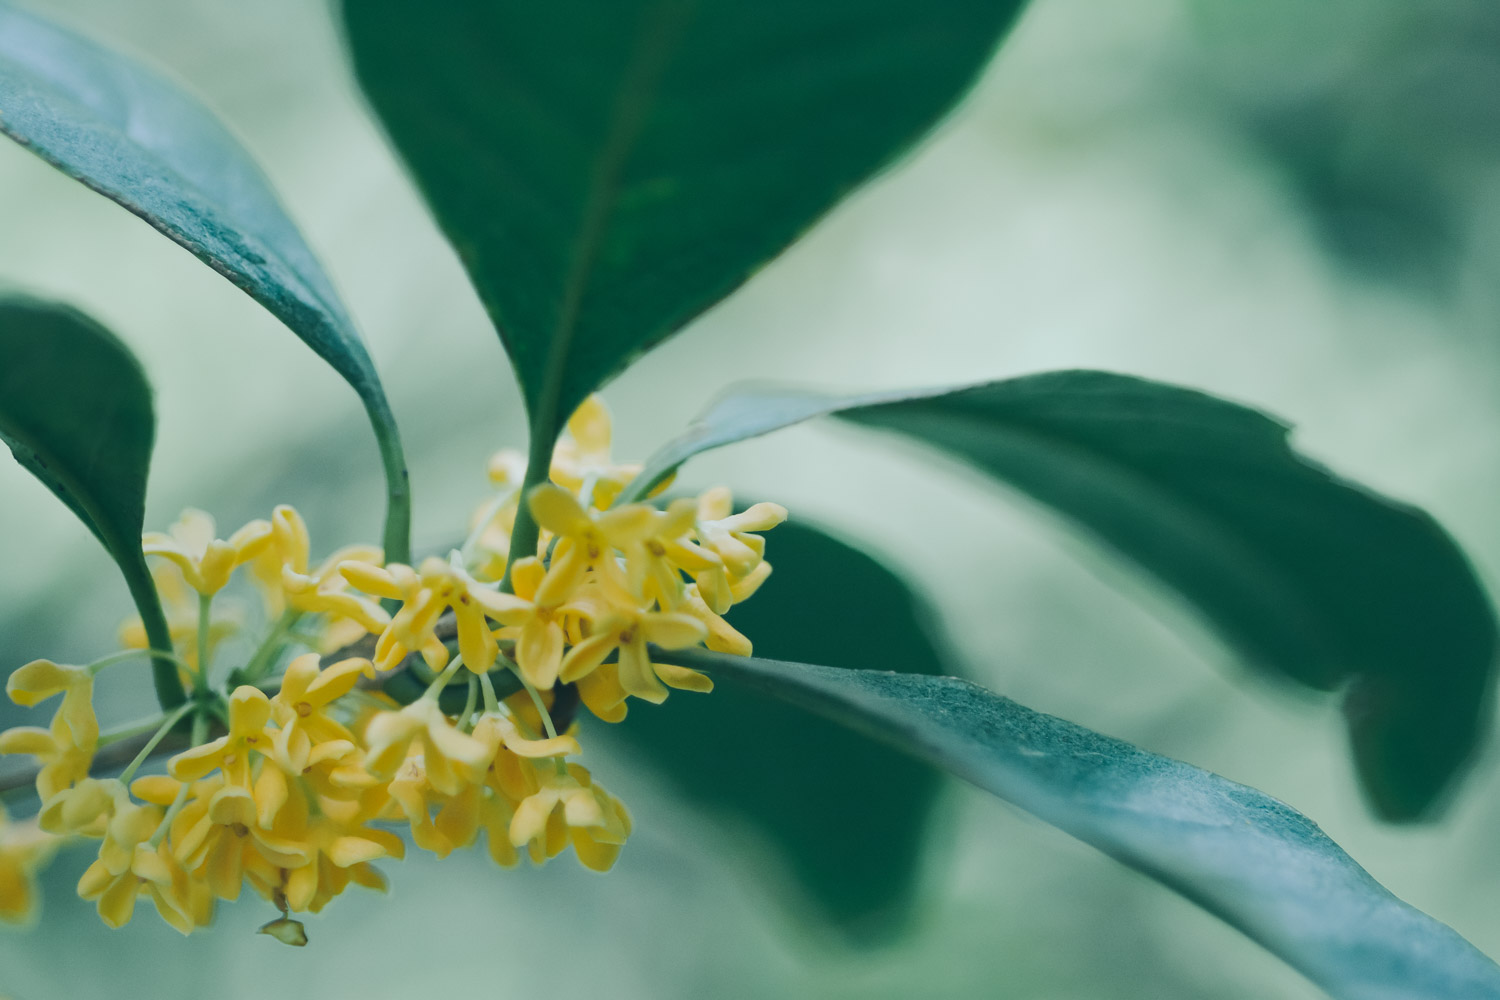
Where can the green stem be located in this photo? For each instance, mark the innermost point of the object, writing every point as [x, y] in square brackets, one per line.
[523, 536]
[123, 733]
[397, 541]
[169, 692]
[470, 703]
[435, 689]
[200, 736]
[166, 727]
[264, 658]
[536, 700]
[127, 654]
[491, 703]
[491, 511]
[205, 625]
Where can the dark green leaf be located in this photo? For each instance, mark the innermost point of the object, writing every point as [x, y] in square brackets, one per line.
[1255, 862]
[75, 410]
[1306, 574]
[608, 169]
[139, 140]
[805, 783]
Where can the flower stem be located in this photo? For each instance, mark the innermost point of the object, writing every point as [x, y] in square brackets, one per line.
[264, 658]
[205, 619]
[435, 689]
[200, 736]
[471, 702]
[491, 703]
[523, 536]
[167, 724]
[536, 700]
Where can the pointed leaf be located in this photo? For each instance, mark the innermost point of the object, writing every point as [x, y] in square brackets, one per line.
[806, 784]
[1308, 575]
[608, 169]
[75, 410]
[139, 140]
[1258, 864]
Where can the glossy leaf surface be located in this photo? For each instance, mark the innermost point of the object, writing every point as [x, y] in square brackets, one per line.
[76, 412]
[608, 169]
[139, 140]
[1307, 575]
[1255, 862]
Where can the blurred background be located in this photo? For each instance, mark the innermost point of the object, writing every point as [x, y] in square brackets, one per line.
[1294, 206]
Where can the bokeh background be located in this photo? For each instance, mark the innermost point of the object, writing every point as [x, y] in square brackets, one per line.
[1295, 206]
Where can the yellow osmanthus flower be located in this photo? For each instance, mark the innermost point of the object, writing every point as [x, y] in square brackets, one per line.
[452, 759]
[39, 680]
[65, 750]
[570, 808]
[626, 631]
[587, 540]
[741, 552]
[24, 848]
[129, 866]
[206, 562]
[582, 456]
[656, 563]
[308, 693]
[249, 713]
[322, 589]
[340, 848]
[436, 587]
[218, 835]
[540, 630]
[84, 809]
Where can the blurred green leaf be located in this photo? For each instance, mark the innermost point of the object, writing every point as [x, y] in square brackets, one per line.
[139, 140]
[1256, 863]
[1306, 574]
[75, 410]
[608, 169]
[847, 818]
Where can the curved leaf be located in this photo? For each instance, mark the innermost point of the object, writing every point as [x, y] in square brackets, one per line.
[1255, 862]
[139, 140]
[1307, 575]
[75, 410]
[608, 169]
[804, 783]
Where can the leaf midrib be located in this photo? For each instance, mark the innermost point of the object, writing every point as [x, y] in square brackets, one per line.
[661, 24]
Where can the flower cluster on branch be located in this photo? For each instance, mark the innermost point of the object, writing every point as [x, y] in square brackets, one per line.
[314, 772]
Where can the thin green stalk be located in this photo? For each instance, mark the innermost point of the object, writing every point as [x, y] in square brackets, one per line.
[536, 700]
[127, 654]
[523, 536]
[491, 511]
[205, 623]
[130, 731]
[470, 703]
[435, 689]
[167, 725]
[491, 703]
[200, 736]
[264, 658]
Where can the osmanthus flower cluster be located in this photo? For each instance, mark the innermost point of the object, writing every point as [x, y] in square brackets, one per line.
[301, 772]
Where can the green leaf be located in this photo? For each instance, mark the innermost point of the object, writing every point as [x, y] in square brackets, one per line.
[608, 169]
[139, 140]
[802, 783]
[75, 410]
[1307, 575]
[1258, 864]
